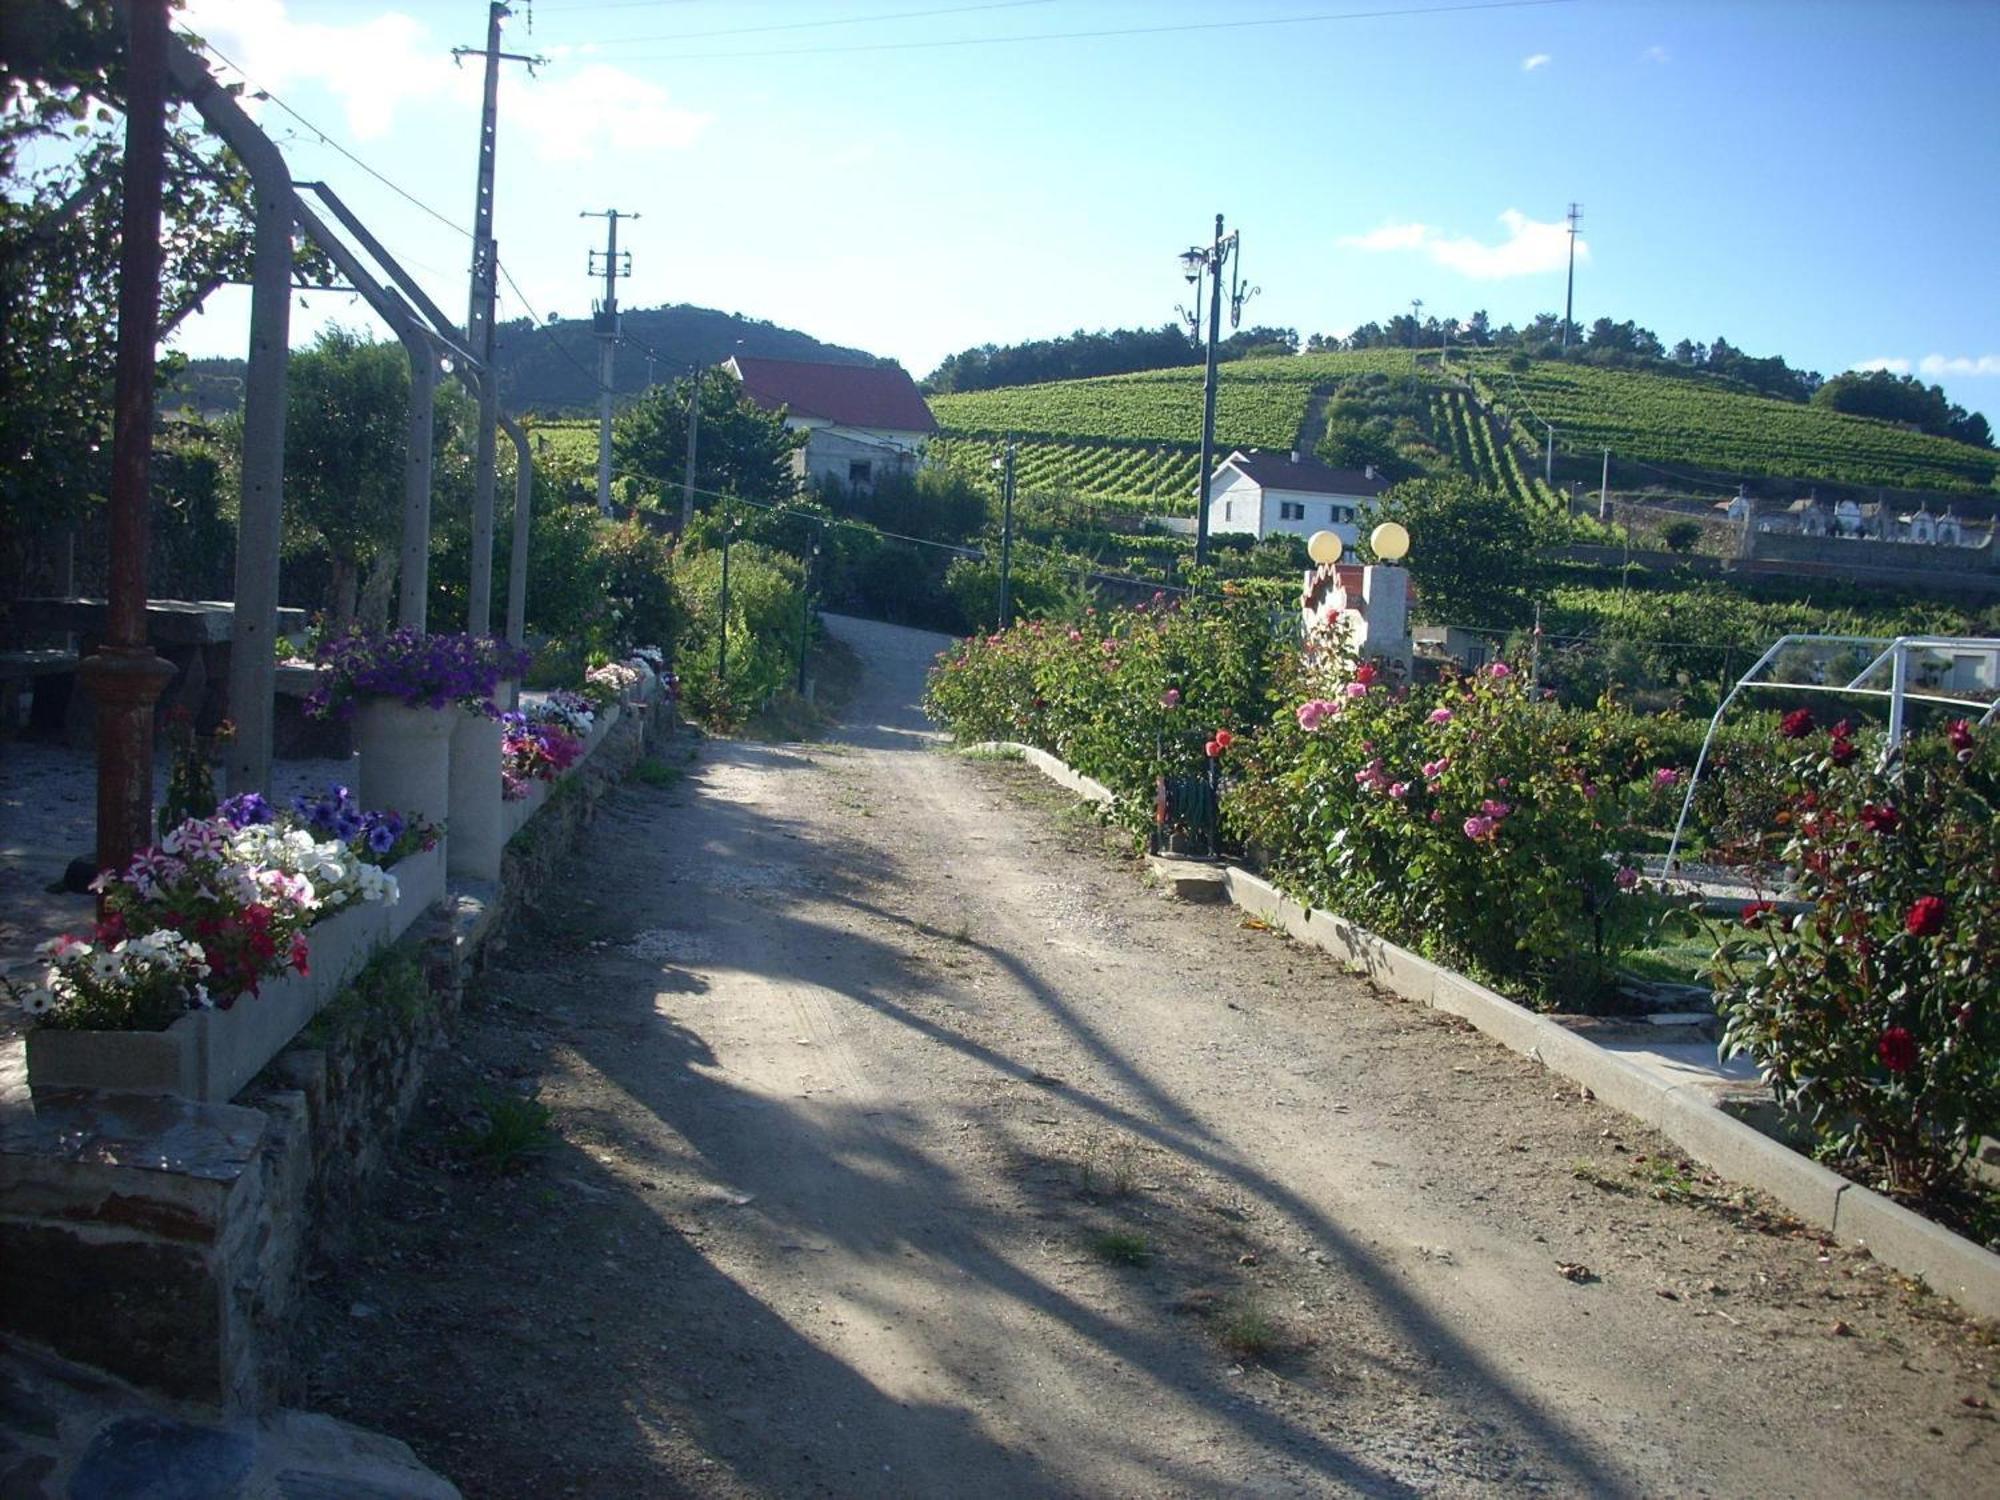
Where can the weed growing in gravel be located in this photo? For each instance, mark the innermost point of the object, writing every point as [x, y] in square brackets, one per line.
[1246, 1330]
[656, 773]
[998, 753]
[1108, 1163]
[1121, 1247]
[515, 1128]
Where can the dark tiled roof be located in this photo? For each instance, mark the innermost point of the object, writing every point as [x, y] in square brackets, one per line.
[879, 396]
[1278, 471]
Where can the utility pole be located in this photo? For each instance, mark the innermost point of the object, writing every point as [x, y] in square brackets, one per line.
[722, 650]
[1569, 297]
[1005, 464]
[694, 429]
[1604, 489]
[1416, 328]
[1549, 457]
[604, 323]
[805, 609]
[479, 320]
[1196, 262]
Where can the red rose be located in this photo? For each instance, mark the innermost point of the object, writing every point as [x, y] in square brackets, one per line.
[1843, 752]
[1213, 749]
[299, 955]
[1797, 724]
[1880, 819]
[1365, 673]
[1753, 913]
[1897, 1049]
[1926, 918]
[1224, 738]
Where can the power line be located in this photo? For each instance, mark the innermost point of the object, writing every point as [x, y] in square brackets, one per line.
[895, 15]
[1109, 32]
[328, 141]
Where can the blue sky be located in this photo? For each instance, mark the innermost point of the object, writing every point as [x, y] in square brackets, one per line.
[1806, 177]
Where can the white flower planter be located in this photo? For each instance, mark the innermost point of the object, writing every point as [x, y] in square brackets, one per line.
[209, 1055]
[477, 829]
[513, 815]
[405, 758]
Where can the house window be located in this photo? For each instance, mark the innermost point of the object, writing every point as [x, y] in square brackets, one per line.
[860, 473]
[1291, 510]
[1340, 514]
[1229, 510]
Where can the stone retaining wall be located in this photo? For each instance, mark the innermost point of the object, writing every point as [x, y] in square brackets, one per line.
[166, 1240]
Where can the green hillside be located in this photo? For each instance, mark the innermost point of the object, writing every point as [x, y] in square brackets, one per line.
[1117, 440]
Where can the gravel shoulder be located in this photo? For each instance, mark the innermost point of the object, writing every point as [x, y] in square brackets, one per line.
[906, 1143]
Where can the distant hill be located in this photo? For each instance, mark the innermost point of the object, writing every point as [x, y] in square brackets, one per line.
[555, 370]
[1129, 439]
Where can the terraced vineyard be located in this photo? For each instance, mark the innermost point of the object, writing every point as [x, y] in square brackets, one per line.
[576, 441]
[1701, 424]
[1146, 477]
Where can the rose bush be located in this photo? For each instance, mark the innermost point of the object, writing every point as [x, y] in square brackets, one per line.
[1463, 820]
[1873, 1012]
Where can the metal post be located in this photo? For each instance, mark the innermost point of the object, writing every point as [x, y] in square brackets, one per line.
[1006, 541]
[722, 654]
[413, 564]
[1569, 296]
[123, 675]
[1549, 460]
[1208, 396]
[1604, 489]
[805, 611]
[517, 561]
[694, 425]
[1535, 653]
[1899, 680]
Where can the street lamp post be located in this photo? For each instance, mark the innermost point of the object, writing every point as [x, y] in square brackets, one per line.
[1210, 260]
[1005, 464]
[722, 651]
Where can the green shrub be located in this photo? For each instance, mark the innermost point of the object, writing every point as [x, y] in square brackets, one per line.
[1872, 1013]
[763, 628]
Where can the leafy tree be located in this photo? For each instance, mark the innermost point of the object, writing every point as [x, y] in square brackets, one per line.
[1903, 398]
[346, 437]
[1472, 550]
[1681, 536]
[741, 449]
[61, 155]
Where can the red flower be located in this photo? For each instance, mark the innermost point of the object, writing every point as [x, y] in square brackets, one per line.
[1365, 673]
[1224, 738]
[1843, 752]
[1797, 724]
[1753, 913]
[1213, 749]
[1897, 1049]
[299, 955]
[1926, 918]
[1880, 819]
[1843, 730]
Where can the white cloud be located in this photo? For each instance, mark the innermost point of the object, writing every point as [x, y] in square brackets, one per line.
[1658, 54]
[1937, 366]
[1530, 247]
[377, 67]
[1960, 364]
[1534, 61]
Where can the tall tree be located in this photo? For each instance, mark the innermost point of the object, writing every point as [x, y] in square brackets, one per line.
[741, 448]
[1472, 551]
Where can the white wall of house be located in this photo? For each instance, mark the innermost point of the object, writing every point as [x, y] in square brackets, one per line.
[1242, 505]
[857, 457]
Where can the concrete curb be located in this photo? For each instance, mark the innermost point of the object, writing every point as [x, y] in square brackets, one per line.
[1049, 766]
[1948, 1263]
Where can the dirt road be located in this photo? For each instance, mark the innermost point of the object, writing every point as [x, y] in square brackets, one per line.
[908, 1145]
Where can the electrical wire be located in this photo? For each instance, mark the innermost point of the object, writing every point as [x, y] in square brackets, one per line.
[897, 15]
[1106, 33]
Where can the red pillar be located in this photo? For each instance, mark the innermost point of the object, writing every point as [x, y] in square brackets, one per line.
[124, 676]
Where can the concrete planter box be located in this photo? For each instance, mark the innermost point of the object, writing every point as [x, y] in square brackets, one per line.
[405, 758]
[513, 815]
[209, 1055]
[475, 822]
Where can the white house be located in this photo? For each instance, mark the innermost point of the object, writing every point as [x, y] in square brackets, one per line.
[1261, 493]
[861, 421]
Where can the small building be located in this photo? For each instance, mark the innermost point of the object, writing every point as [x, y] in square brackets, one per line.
[862, 422]
[1264, 493]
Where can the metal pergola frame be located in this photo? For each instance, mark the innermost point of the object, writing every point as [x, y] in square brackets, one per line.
[1895, 654]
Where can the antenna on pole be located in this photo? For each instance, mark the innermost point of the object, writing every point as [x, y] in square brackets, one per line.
[1569, 297]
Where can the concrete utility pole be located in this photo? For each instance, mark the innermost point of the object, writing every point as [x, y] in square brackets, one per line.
[1005, 464]
[124, 675]
[1198, 261]
[694, 429]
[479, 320]
[1416, 328]
[1604, 489]
[1569, 297]
[604, 323]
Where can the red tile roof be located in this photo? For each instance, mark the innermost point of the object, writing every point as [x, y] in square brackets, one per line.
[878, 396]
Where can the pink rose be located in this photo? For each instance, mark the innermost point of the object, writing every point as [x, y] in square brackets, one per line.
[1440, 716]
[1499, 669]
[1626, 878]
[1477, 828]
[1399, 790]
[1494, 810]
[1357, 690]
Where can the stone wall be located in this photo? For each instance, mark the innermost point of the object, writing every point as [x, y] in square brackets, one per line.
[166, 1240]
